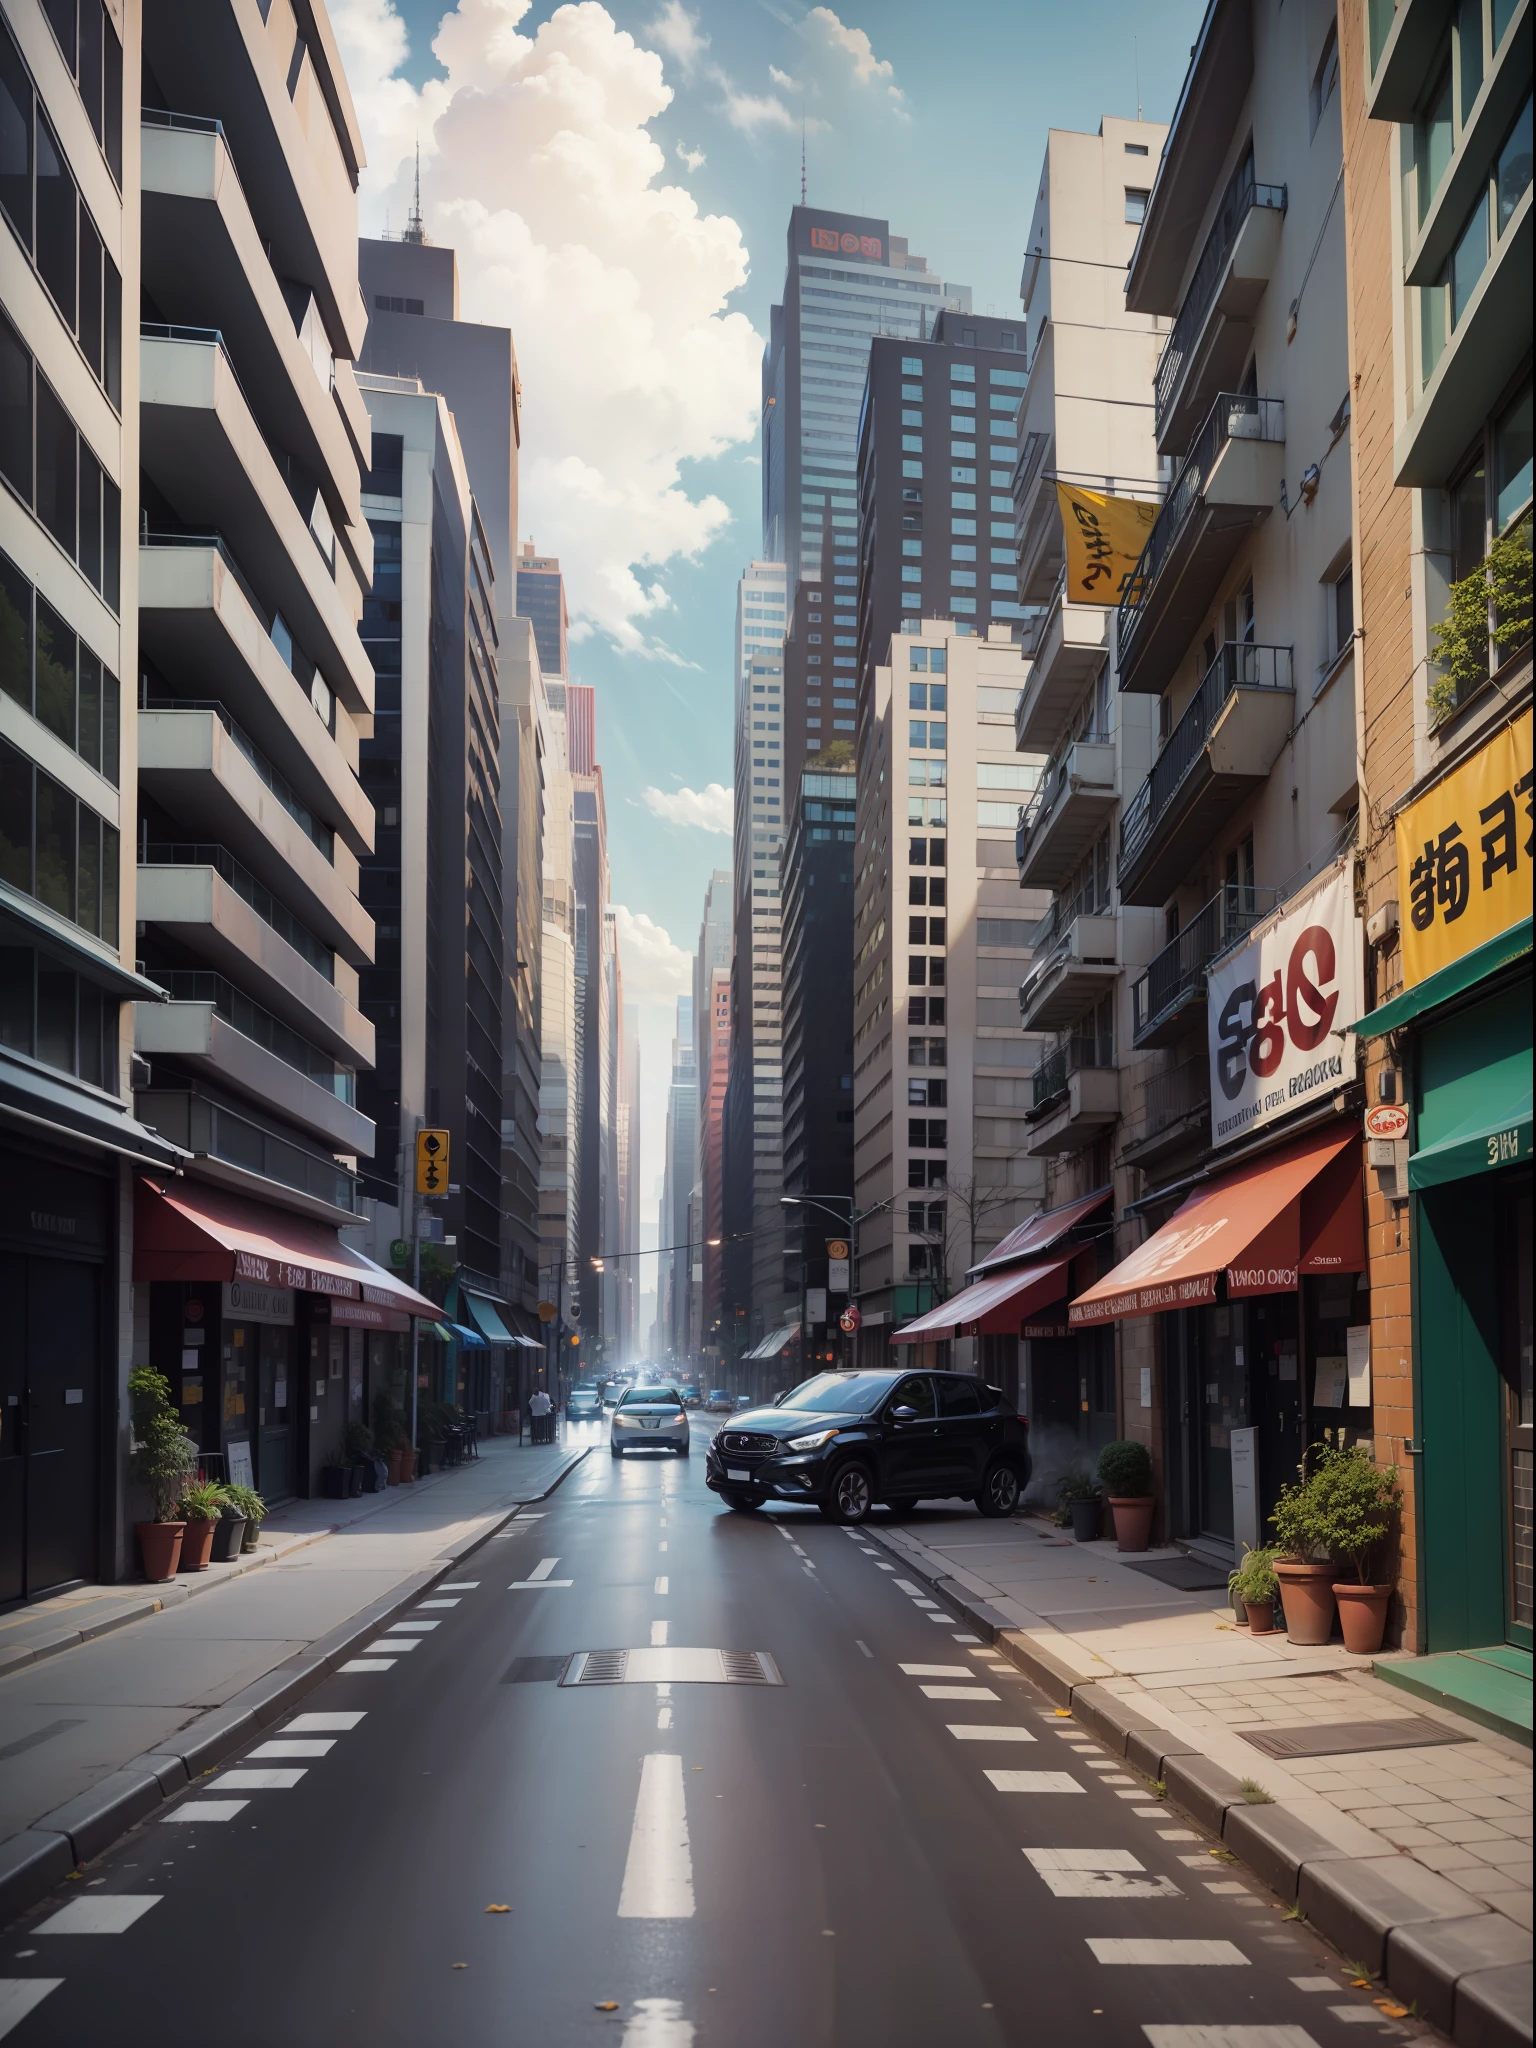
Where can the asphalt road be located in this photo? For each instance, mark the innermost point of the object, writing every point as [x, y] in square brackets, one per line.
[870, 1852]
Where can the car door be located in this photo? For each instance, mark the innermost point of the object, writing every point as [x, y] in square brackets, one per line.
[910, 1467]
[962, 1444]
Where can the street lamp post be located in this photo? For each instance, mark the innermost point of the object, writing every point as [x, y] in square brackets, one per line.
[848, 1215]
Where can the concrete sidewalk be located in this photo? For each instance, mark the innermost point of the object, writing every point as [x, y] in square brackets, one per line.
[129, 1692]
[1416, 1861]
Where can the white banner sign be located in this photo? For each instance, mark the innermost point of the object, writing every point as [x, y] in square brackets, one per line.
[245, 1301]
[1279, 1011]
[815, 1305]
[837, 1276]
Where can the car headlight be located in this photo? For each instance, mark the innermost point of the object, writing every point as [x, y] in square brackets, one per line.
[813, 1442]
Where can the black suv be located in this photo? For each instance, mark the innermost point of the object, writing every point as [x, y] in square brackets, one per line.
[845, 1440]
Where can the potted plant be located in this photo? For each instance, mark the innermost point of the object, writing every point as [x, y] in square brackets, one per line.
[254, 1509]
[1255, 1585]
[229, 1531]
[1126, 1470]
[199, 1508]
[1354, 1505]
[390, 1435]
[370, 1473]
[1079, 1496]
[162, 1457]
[1305, 1574]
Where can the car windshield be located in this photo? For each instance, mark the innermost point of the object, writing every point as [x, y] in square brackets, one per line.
[650, 1397]
[839, 1393]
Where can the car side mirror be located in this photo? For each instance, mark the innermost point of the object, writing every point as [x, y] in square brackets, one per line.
[778, 1400]
[903, 1414]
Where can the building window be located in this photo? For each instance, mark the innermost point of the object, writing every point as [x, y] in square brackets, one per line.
[49, 1014]
[94, 58]
[1325, 79]
[1136, 204]
[47, 669]
[50, 466]
[55, 849]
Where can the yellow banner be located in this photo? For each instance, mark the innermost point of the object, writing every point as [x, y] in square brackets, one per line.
[1105, 537]
[1464, 855]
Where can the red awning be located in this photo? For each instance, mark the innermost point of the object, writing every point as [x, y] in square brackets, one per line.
[992, 1307]
[1293, 1211]
[191, 1231]
[1042, 1231]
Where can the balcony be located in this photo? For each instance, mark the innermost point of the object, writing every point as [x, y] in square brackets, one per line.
[241, 1154]
[1168, 998]
[1076, 1096]
[1177, 1102]
[1403, 43]
[1221, 749]
[1213, 335]
[1071, 646]
[203, 257]
[1229, 483]
[200, 624]
[274, 77]
[1070, 806]
[211, 903]
[191, 762]
[1079, 962]
[210, 1024]
[202, 447]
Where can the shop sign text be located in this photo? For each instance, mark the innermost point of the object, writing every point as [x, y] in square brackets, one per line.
[1464, 855]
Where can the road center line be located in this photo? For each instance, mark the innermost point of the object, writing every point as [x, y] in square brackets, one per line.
[658, 1873]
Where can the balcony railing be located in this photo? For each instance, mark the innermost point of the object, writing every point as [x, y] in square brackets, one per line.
[1177, 1093]
[194, 985]
[186, 854]
[1082, 1049]
[1238, 664]
[246, 1144]
[1237, 202]
[1178, 972]
[1236, 416]
[1053, 778]
[321, 836]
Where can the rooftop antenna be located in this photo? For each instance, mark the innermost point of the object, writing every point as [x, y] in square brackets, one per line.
[1136, 50]
[414, 231]
[802, 156]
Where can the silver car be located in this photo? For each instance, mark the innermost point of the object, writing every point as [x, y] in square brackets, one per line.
[648, 1419]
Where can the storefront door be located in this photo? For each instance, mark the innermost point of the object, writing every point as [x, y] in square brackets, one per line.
[274, 1413]
[1515, 1364]
[1279, 1394]
[50, 1363]
[1223, 1407]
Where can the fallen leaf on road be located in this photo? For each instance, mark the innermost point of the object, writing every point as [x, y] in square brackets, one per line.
[498, 1909]
[1063, 1713]
[1393, 2012]
[1360, 1983]
[461, 1966]
[606, 2005]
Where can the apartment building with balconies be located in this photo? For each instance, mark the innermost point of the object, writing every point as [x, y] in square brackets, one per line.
[1437, 148]
[1237, 628]
[255, 699]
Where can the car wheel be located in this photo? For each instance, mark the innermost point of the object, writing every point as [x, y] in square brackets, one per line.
[614, 1451]
[682, 1450]
[999, 1494]
[851, 1494]
[743, 1503]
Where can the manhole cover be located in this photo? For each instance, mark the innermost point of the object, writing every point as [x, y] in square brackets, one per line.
[533, 1670]
[1342, 1738]
[673, 1667]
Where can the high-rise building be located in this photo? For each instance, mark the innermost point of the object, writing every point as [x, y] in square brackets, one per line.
[559, 1084]
[592, 941]
[939, 941]
[629, 1186]
[713, 956]
[817, 884]
[847, 279]
[541, 600]
[709, 1234]
[759, 612]
[255, 693]
[682, 1124]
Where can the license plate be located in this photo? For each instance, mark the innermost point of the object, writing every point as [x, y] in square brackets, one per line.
[735, 1472]
[647, 1423]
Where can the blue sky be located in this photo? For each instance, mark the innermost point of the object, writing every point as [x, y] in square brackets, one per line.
[933, 117]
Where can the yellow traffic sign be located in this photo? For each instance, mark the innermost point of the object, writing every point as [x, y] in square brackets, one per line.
[431, 1162]
[547, 1311]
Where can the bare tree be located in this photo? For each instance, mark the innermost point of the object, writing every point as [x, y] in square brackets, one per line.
[967, 1205]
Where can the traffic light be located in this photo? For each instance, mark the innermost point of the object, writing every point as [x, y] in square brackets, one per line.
[431, 1162]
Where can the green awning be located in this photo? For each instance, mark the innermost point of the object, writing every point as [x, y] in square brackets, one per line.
[1450, 981]
[1490, 1136]
[483, 1314]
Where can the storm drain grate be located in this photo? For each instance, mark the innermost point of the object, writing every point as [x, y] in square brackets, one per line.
[666, 1665]
[1345, 1738]
[534, 1670]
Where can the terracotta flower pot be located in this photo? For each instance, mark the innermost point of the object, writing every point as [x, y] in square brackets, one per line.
[197, 1544]
[407, 1466]
[1133, 1522]
[160, 1547]
[1306, 1593]
[1362, 1616]
[396, 1460]
[1261, 1616]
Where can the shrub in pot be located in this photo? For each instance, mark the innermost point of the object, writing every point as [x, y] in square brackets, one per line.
[1354, 1503]
[162, 1458]
[229, 1530]
[200, 1507]
[1126, 1470]
[1302, 1567]
[1255, 1584]
[1079, 1496]
[252, 1507]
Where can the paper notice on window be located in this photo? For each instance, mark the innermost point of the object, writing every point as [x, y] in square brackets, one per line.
[1330, 1383]
[1358, 1342]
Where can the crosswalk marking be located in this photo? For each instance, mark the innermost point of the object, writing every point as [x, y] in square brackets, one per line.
[260, 1781]
[1034, 1781]
[21, 1995]
[1230, 2037]
[205, 1809]
[367, 1664]
[1144, 1952]
[960, 1692]
[981, 1731]
[1099, 1874]
[288, 1746]
[935, 1670]
[99, 1916]
[322, 1724]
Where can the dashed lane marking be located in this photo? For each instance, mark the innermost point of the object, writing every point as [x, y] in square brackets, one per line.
[393, 1646]
[1228, 2037]
[1099, 1874]
[1034, 1781]
[661, 1584]
[367, 1664]
[1143, 1952]
[415, 1628]
[960, 1692]
[980, 1731]
[260, 1781]
[99, 1916]
[420, 1604]
[287, 1746]
[658, 1873]
[935, 1670]
[205, 1809]
[322, 1724]
[461, 1586]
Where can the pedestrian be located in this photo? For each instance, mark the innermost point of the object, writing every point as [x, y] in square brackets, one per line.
[542, 1409]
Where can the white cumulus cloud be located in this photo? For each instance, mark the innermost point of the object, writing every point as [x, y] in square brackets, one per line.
[695, 159]
[677, 31]
[708, 808]
[854, 43]
[539, 167]
[751, 112]
[655, 969]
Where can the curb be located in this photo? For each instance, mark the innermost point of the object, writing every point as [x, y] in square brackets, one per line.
[1467, 1969]
[37, 1858]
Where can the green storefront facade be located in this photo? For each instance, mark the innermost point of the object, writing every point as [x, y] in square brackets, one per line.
[1462, 1040]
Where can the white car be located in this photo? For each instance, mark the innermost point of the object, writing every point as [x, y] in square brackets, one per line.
[649, 1419]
